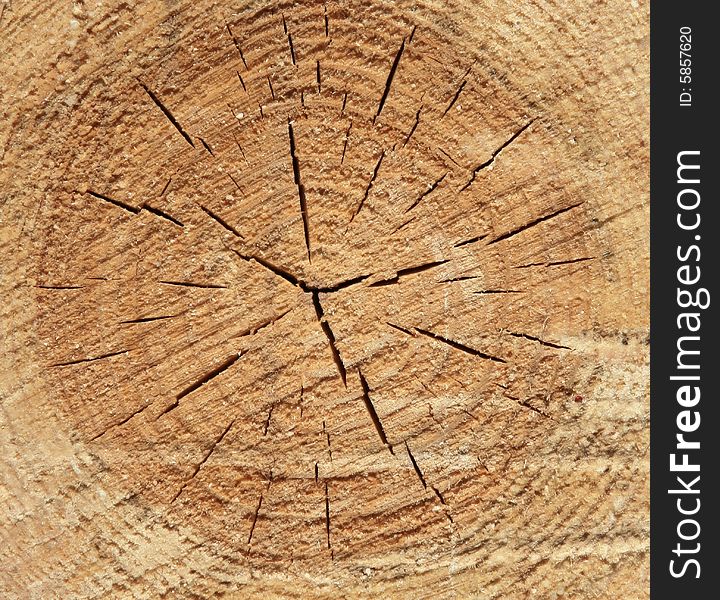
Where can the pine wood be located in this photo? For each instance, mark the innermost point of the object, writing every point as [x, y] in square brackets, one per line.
[324, 300]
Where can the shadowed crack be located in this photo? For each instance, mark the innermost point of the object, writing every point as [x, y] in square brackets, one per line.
[495, 154]
[330, 336]
[372, 412]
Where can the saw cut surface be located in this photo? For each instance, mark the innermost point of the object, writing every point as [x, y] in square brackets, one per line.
[308, 300]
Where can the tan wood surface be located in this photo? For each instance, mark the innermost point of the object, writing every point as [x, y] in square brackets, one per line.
[343, 299]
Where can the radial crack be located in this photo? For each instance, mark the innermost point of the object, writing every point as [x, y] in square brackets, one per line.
[416, 466]
[60, 287]
[327, 516]
[458, 345]
[414, 127]
[455, 97]
[472, 240]
[128, 207]
[369, 186]
[409, 271]
[390, 77]
[556, 263]
[430, 189]
[204, 460]
[120, 423]
[534, 222]
[221, 221]
[338, 286]
[300, 188]
[538, 340]
[242, 83]
[167, 114]
[372, 412]
[237, 47]
[286, 275]
[495, 154]
[163, 215]
[345, 145]
[92, 359]
[325, 326]
[212, 286]
[201, 382]
[255, 518]
[327, 439]
[147, 319]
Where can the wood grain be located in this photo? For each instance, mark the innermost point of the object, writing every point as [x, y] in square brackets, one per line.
[324, 299]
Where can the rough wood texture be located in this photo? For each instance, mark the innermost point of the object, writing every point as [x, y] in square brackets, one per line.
[324, 300]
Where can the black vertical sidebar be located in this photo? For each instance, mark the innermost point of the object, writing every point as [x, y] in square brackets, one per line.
[683, 509]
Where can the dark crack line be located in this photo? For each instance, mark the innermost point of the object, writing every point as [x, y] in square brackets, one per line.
[345, 145]
[450, 158]
[286, 275]
[538, 340]
[163, 215]
[165, 189]
[167, 114]
[402, 329]
[220, 221]
[449, 342]
[463, 278]
[344, 103]
[327, 439]
[370, 407]
[242, 83]
[414, 127]
[403, 225]
[300, 189]
[292, 49]
[60, 287]
[498, 292]
[212, 286]
[431, 188]
[147, 319]
[459, 346]
[92, 359]
[204, 460]
[266, 426]
[408, 271]
[369, 187]
[128, 207]
[526, 404]
[338, 286]
[495, 154]
[534, 222]
[207, 147]
[255, 518]
[237, 46]
[412, 34]
[241, 150]
[556, 263]
[120, 423]
[390, 77]
[416, 466]
[325, 326]
[455, 97]
[255, 329]
[472, 240]
[201, 382]
[327, 516]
